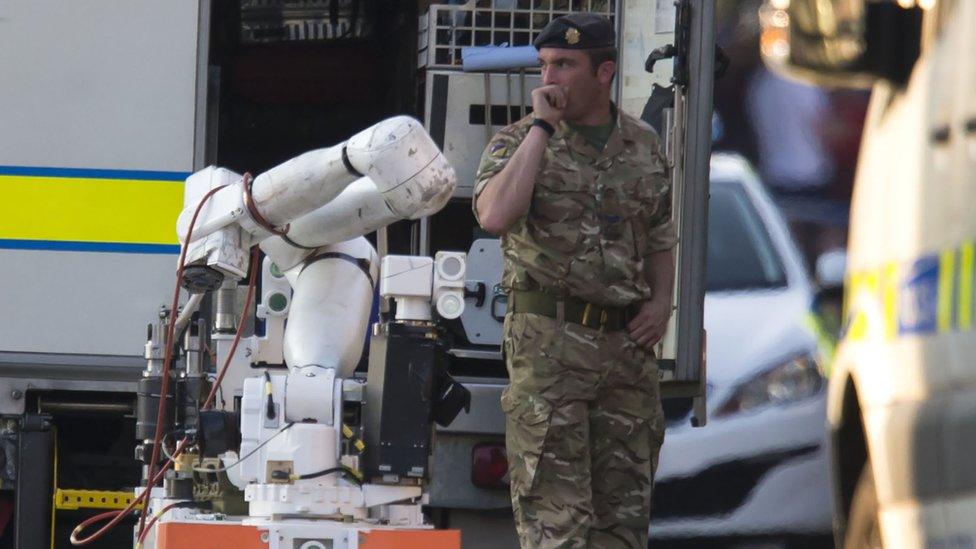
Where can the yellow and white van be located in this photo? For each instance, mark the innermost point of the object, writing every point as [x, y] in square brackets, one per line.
[902, 399]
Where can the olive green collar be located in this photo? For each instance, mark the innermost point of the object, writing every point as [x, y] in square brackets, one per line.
[577, 143]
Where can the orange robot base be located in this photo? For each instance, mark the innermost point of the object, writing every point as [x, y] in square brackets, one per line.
[299, 533]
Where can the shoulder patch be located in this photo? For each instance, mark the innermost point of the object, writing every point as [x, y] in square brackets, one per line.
[498, 149]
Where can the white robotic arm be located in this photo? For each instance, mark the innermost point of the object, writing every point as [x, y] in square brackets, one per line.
[390, 171]
[308, 215]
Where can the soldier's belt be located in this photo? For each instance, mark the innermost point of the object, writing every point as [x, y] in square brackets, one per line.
[571, 309]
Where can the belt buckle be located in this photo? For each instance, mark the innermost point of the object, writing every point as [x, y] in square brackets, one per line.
[585, 321]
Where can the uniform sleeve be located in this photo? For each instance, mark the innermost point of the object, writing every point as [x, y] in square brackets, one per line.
[662, 234]
[496, 155]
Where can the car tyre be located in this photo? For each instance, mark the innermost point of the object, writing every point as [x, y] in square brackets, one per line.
[863, 526]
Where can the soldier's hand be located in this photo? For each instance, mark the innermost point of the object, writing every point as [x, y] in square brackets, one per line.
[648, 327]
[549, 103]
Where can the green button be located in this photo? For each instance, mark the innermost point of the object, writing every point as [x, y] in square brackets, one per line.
[277, 302]
[275, 271]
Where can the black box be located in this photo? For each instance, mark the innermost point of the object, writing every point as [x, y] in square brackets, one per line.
[404, 363]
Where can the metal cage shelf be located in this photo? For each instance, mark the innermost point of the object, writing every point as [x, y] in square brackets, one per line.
[446, 28]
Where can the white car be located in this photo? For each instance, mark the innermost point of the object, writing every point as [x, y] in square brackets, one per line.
[758, 469]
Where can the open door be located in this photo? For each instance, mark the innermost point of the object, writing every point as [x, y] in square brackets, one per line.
[676, 98]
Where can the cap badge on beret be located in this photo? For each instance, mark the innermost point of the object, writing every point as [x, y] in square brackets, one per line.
[572, 36]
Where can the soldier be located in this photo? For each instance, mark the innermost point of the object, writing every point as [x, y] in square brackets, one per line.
[579, 193]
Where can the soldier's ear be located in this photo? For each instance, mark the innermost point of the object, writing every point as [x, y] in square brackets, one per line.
[605, 72]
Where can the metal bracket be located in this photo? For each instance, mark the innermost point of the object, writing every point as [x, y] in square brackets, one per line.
[93, 499]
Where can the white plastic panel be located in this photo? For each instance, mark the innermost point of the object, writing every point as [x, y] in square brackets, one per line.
[93, 85]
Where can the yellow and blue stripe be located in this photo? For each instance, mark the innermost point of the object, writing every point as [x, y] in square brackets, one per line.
[931, 294]
[90, 210]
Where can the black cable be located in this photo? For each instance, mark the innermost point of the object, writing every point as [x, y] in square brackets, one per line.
[270, 413]
[249, 454]
[350, 474]
[162, 441]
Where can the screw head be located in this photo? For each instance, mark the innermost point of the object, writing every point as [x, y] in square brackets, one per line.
[16, 394]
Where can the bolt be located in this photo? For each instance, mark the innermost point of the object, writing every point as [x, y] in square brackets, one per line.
[16, 394]
[264, 537]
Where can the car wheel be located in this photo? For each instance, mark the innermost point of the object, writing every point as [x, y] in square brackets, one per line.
[863, 526]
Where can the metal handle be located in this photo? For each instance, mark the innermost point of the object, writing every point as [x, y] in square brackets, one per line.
[479, 293]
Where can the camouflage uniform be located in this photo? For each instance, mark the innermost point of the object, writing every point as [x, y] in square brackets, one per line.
[584, 418]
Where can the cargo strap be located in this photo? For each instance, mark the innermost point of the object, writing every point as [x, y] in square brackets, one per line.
[361, 263]
[571, 309]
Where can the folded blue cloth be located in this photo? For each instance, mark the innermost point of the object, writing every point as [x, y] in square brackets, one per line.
[486, 58]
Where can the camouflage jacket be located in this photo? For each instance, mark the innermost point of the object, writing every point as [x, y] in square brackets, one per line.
[595, 216]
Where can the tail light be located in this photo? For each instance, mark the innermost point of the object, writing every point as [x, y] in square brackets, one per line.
[489, 465]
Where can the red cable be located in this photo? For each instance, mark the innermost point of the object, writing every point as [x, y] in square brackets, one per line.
[149, 525]
[155, 476]
[207, 404]
[117, 516]
[164, 389]
[168, 356]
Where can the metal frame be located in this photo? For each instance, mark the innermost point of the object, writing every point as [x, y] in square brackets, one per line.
[35, 456]
[202, 85]
[23, 372]
[694, 200]
[444, 37]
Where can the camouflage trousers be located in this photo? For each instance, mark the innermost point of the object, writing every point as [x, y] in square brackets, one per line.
[584, 426]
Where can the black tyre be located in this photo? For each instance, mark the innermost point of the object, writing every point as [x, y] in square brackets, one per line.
[863, 526]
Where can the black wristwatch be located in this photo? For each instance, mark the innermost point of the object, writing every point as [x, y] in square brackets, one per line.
[544, 125]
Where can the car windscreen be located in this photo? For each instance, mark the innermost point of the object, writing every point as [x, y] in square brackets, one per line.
[740, 253]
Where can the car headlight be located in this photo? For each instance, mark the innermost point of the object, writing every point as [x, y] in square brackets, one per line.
[794, 380]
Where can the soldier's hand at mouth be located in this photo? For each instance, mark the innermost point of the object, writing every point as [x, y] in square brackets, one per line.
[549, 103]
[648, 327]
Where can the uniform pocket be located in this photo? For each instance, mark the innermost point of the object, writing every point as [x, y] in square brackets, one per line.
[526, 426]
[621, 239]
[642, 205]
[558, 208]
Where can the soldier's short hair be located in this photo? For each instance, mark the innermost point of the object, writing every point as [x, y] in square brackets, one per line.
[599, 56]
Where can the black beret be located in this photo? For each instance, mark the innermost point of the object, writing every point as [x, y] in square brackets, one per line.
[577, 31]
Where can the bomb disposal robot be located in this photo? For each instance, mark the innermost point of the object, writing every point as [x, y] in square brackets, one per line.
[293, 444]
